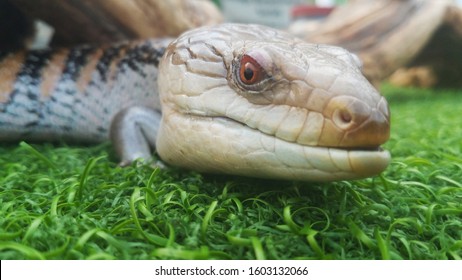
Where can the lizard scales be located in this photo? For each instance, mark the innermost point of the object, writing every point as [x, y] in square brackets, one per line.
[238, 99]
[73, 94]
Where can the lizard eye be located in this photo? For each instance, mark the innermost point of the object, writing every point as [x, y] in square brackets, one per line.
[250, 71]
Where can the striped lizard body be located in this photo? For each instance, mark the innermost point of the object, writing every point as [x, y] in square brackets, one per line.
[73, 94]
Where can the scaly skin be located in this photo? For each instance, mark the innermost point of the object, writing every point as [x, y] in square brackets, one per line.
[73, 94]
[311, 115]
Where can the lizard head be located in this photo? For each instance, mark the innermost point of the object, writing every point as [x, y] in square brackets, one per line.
[251, 100]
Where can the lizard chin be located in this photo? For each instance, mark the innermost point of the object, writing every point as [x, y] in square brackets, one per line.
[221, 145]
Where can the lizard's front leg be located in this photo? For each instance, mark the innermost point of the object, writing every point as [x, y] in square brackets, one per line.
[133, 133]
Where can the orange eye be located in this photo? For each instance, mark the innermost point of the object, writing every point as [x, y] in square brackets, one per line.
[250, 71]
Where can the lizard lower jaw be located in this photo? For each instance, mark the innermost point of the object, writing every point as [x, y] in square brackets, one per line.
[220, 145]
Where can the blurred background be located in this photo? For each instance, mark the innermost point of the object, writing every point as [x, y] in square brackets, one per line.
[409, 42]
[275, 13]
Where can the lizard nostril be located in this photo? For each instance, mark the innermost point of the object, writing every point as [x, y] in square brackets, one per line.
[346, 116]
[342, 118]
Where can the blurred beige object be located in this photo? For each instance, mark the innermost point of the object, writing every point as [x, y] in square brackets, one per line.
[419, 76]
[390, 34]
[79, 21]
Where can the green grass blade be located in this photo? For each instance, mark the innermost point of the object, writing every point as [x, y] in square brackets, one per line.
[38, 155]
[28, 252]
[208, 217]
[258, 248]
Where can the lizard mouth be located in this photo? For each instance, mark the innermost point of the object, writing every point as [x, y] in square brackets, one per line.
[370, 148]
[328, 162]
[215, 144]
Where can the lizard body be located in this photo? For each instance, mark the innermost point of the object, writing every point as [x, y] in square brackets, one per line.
[238, 99]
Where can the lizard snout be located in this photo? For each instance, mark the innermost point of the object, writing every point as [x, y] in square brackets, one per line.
[362, 125]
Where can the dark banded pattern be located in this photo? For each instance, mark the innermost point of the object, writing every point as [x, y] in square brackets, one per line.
[73, 94]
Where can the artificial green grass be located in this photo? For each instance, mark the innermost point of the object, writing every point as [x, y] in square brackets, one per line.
[60, 202]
